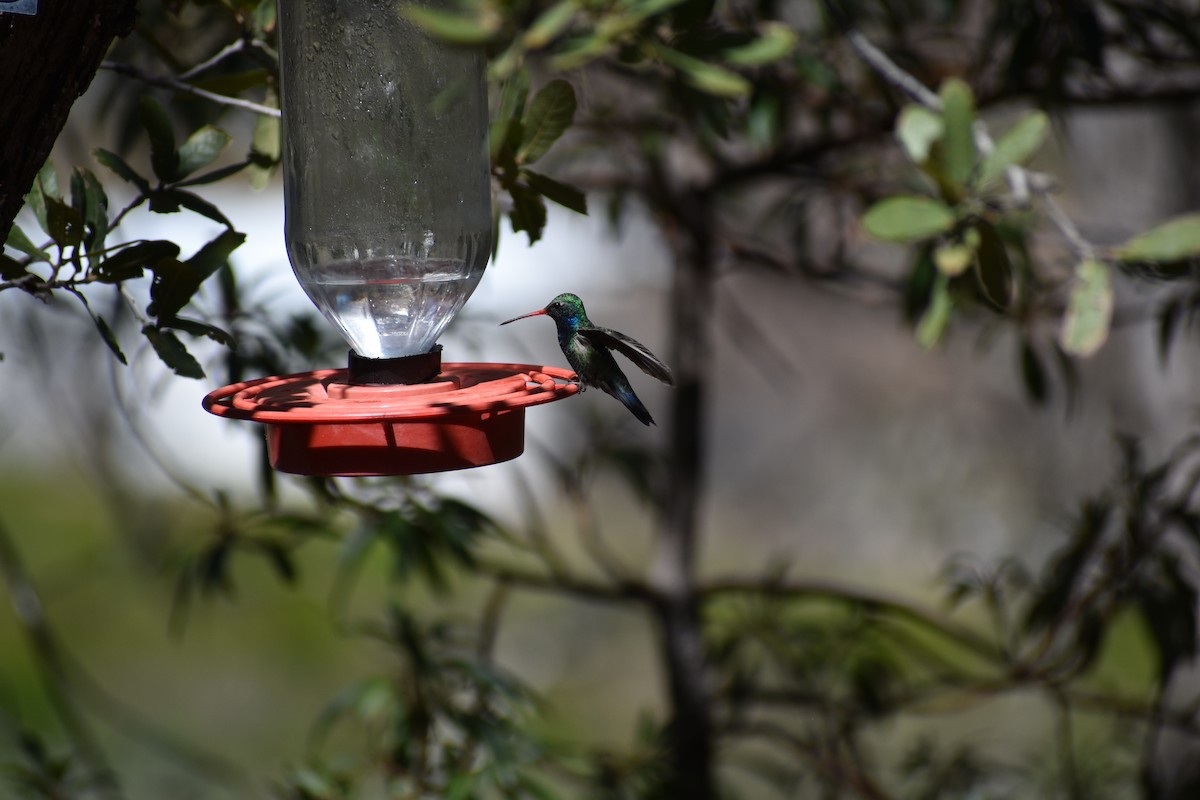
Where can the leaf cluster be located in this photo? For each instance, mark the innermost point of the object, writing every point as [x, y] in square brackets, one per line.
[1127, 552]
[973, 237]
[446, 722]
[521, 134]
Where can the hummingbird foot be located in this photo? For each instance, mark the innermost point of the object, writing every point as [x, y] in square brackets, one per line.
[579, 382]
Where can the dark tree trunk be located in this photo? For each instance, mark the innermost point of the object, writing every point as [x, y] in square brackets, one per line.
[46, 62]
[691, 730]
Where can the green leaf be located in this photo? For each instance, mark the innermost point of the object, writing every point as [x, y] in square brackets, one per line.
[118, 165]
[958, 141]
[45, 185]
[232, 84]
[219, 174]
[513, 96]
[18, 241]
[201, 149]
[164, 201]
[265, 150]
[47, 179]
[918, 129]
[704, 76]
[776, 40]
[1167, 603]
[1068, 567]
[577, 51]
[176, 282]
[91, 203]
[263, 18]
[196, 203]
[764, 119]
[1174, 240]
[1016, 146]
[169, 201]
[64, 222]
[110, 338]
[561, 193]
[95, 211]
[550, 113]
[267, 141]
[994, 267]
[164, 159]
[280, 558]
[173, 353]
[11, 269]
[197, 328]
[908, 218]
[504, 136]
[106, 333]
[462, 786]
[78, 192]
[454, 27]
[129, 262]
[550, 24]
[212, 256]
[1089, 309]
[528, 213]
[937, 316]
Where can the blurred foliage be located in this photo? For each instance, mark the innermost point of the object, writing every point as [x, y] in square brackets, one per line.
[685, 108]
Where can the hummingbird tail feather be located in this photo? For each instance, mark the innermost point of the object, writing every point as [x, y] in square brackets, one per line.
[635, 405]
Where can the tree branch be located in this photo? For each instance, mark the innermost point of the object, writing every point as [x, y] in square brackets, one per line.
[174, 84]
[687, 212]
[1020, 180]
[46, 62]
[625, 592]
[828, 590]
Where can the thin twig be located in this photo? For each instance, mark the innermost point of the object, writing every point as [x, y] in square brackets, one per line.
[890, 71]
[628, 591]
[1019, 179]
[234, 47]
[168, 82]
[134, 203]
[1082, 248]
[829, 590]
[832, 766]
[1066, 746]
[139, 435]
[489, 623]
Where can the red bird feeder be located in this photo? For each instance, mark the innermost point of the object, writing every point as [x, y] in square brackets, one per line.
[318, 423]
[388, 227]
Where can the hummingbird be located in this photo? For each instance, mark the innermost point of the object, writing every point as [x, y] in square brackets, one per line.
[587, 347]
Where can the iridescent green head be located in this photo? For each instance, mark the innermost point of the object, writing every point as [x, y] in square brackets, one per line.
[566, 310]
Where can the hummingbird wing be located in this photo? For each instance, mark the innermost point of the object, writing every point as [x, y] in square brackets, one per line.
[632, 349]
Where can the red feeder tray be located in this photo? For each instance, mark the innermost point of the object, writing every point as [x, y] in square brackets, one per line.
[318, 423]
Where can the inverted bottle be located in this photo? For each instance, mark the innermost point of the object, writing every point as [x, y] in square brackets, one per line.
[386, 182]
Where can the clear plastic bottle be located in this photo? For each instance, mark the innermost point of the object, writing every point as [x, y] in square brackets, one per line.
[386, 179]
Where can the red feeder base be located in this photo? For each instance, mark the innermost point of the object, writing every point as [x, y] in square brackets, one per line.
[317, 423]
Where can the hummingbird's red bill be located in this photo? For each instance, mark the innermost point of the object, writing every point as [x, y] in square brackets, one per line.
[537, 313]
